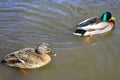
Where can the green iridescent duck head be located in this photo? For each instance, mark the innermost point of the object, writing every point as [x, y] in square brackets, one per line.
[107, 16]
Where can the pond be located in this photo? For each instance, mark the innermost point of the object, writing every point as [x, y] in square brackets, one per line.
[27, 23]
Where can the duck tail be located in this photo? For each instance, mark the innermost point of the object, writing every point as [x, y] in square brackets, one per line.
[80, 31]
[3, 61]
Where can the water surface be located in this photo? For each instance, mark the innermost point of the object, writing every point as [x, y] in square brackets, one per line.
[27, 23]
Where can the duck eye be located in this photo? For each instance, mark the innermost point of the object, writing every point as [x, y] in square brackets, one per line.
[48, 49]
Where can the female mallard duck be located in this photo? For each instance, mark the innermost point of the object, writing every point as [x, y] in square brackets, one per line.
[29, 58]
[94, 25]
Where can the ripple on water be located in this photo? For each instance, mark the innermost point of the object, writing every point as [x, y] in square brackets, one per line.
[27, 23]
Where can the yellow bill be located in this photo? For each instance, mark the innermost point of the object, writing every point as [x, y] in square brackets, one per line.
[113, 18]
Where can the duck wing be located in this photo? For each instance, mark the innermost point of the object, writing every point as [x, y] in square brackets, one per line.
[87, 22]
[20, 56]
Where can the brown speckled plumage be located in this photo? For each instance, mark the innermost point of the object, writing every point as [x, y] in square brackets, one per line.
[28, 58]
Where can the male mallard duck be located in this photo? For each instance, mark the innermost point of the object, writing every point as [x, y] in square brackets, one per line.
[29, 58]
[94, 25]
